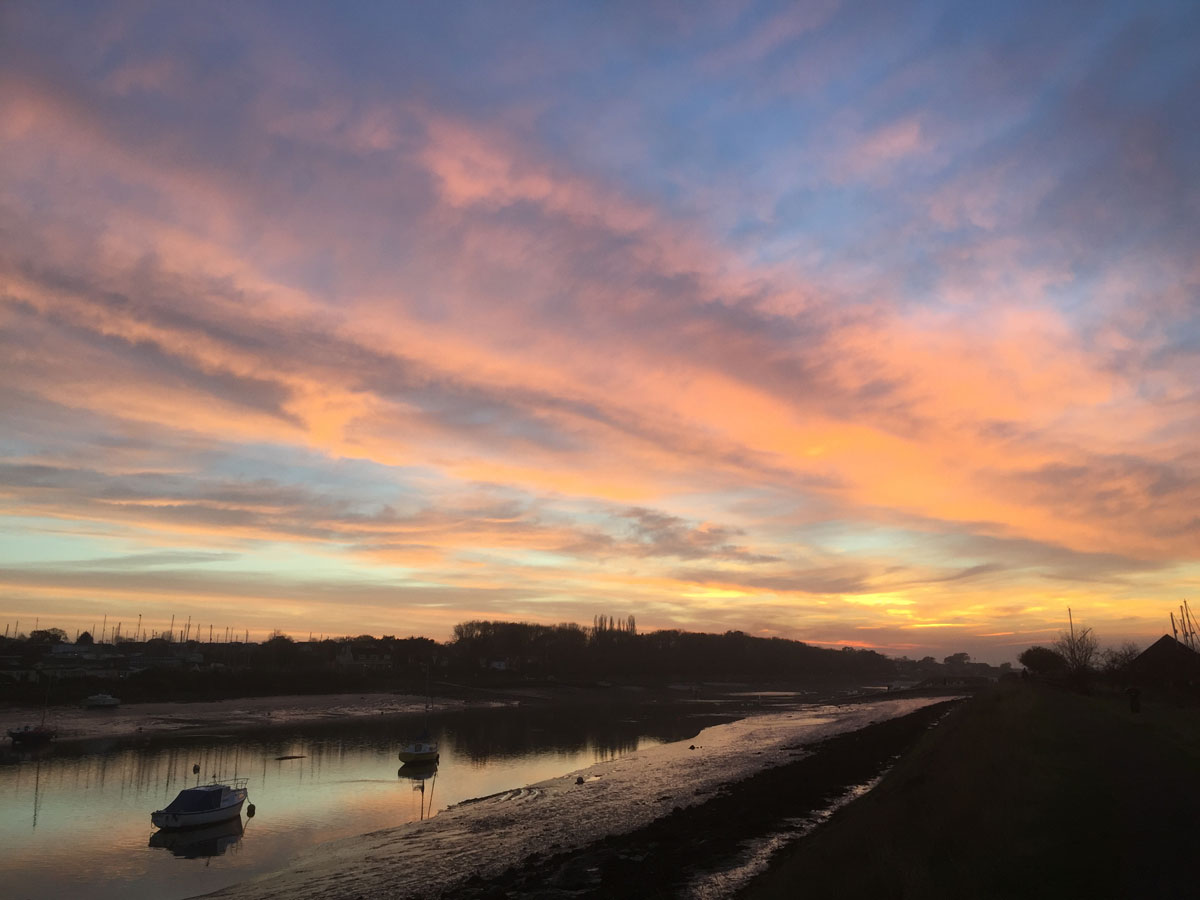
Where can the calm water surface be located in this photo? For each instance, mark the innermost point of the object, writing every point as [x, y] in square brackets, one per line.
[76, 821]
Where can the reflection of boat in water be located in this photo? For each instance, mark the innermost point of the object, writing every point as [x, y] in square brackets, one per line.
[101, 701]
[32, 735]
[418, 773]
[198, 843]
[422, 750]
[202, 805]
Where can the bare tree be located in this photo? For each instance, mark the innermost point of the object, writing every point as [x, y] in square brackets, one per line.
[1117, 659]
[1079, 648]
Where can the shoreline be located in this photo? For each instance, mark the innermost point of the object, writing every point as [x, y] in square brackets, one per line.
[715, 847]
[538, 839]
[76, 725]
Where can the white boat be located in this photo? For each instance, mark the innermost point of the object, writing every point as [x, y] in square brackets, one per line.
[422, 750]
[101, 701]
[202, 805]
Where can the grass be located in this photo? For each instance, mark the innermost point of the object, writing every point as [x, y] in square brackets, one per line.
[1025, 792]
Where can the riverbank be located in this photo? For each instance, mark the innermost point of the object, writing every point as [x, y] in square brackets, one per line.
[705, 851]
[1028, 791]
[75, 724]
[622, 827]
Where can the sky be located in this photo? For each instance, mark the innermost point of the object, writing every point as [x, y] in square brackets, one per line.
[870, 324]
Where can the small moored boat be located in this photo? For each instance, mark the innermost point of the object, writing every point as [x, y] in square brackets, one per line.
[32, 735]
[101, 701]
[202, 805]
[422, 750]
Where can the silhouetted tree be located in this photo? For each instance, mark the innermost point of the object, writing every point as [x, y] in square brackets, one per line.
[1115, 660]
[48, 636]
[1043, 661]
[279, 651]
[1079, 648]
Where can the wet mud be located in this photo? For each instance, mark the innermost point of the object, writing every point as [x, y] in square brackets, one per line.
[642, 824]
[665, 857]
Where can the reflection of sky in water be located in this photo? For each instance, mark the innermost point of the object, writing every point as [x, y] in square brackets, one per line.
[90, 837]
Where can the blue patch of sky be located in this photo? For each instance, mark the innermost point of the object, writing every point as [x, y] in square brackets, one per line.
[833, 217]
[544, 559]
[306, 561]
[360, 480]
[36, 541]
[39, 542]
[861, 540]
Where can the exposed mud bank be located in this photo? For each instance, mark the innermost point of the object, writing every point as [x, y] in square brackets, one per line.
[663, 858]
[641, 825]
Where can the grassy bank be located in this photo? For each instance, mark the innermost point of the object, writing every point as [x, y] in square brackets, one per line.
[1026, 791]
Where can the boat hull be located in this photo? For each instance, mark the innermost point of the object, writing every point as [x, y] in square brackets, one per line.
[32, 737]
[419, 752]
[165, 819]
[407, 757]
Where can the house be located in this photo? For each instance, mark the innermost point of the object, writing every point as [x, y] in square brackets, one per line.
[1166, 663]
[362, 658]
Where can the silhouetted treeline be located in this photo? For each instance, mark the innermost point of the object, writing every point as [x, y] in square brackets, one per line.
[482, 653]
[618, 652]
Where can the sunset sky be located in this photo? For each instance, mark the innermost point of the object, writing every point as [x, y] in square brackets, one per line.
[868, 324]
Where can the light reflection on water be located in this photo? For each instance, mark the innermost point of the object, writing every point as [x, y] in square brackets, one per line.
[76, 822]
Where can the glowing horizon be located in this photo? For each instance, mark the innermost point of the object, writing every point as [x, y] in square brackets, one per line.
[870, 325]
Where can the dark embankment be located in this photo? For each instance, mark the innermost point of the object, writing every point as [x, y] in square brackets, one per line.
[659, 859]
[1024, 792]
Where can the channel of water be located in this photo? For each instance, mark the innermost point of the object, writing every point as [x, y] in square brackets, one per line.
[75, 821]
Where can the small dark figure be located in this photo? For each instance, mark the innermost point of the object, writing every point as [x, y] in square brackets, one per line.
[579, 780]
[1135, 700]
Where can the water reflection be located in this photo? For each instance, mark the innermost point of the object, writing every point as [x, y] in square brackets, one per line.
[417, 774]
[76, 822]
[418, 771]
[200, 843]
[499, 734]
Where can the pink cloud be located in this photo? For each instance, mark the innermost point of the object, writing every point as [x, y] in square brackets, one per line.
[877, 153]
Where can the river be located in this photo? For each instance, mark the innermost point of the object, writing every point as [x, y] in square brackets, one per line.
[75, 821]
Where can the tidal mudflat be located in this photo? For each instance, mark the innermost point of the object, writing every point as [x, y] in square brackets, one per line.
[478, 844]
